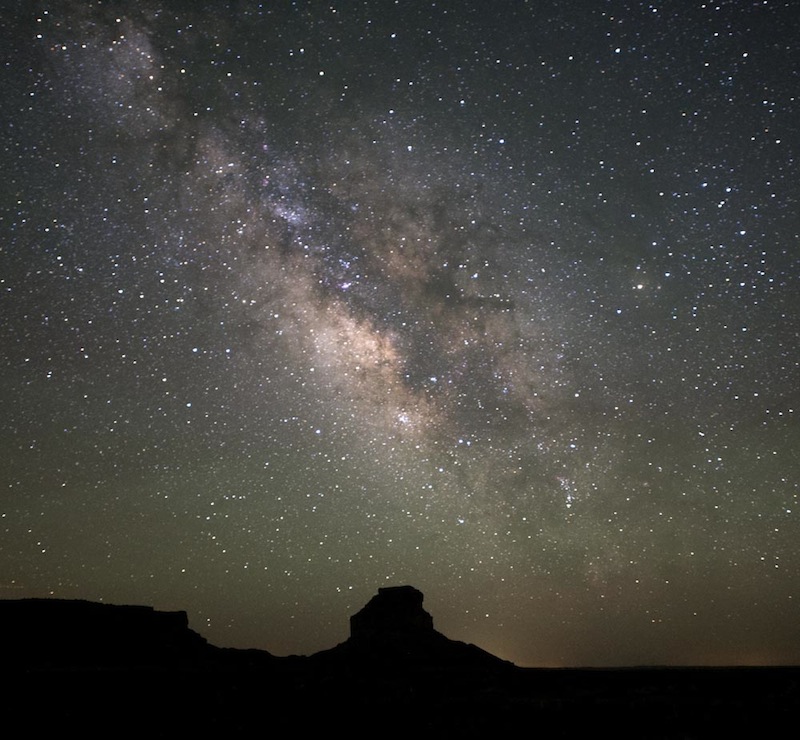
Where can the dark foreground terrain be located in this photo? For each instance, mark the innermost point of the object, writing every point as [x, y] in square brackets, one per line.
[103, 670]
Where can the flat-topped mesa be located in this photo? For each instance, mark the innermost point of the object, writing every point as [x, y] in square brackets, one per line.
[61, 632]
[395, 610]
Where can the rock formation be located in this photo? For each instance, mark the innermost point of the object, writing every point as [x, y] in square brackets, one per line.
[57, 632]
[393, 635]
[94, 670]
[394, 610]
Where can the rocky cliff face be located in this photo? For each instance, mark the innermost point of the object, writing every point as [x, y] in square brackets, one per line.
[393, 635]
[393, 610]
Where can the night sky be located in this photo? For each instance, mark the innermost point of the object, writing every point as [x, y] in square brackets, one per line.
[500, 300]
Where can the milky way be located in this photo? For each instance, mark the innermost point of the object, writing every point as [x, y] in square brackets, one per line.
[304, 299]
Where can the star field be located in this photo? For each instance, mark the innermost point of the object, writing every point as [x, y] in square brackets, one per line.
[303, 299]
